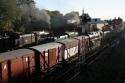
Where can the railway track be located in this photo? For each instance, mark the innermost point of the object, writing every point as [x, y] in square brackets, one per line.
[92, 58]
[68, 73]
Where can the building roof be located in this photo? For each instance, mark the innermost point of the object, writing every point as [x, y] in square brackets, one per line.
[96, 21]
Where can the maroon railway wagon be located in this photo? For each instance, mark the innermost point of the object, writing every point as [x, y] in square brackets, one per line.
[16, 65]
[47, 55]
[70, 48]
[22, 63]
[95, 40]
[83, 44]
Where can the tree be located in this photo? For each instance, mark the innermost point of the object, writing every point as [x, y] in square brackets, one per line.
[26, 9]
[7, 14]
[109, 21]
[85, 18]
[57, 20]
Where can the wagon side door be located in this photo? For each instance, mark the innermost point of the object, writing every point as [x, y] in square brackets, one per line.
[16, 69]
[28, 65]
[53, 56]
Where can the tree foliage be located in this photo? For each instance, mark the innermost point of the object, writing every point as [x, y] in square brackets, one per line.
[57, 20]
[116, 21]
[22, 15]
[7, 14]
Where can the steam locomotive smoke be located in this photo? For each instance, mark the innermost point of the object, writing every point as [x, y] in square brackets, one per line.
[49, 19]
[30, 10]
[58, 21]
[43, 15]
[72, 17]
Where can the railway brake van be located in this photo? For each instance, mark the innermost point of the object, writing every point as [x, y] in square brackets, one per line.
[16, 65]
[47, 56]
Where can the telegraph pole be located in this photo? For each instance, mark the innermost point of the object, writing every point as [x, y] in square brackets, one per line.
[84, 18]
[81, 55]
[83, 38]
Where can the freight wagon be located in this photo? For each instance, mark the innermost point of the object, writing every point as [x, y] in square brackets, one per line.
[16, 65]
[70, 47]
[23, 63]
[47, 55]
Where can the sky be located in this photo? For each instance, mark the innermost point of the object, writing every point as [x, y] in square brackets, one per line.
[104, 9]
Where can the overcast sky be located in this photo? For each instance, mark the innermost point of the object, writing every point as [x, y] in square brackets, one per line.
[104, 9]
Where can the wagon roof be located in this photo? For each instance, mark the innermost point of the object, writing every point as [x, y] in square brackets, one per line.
[27, 35]
[69, 40]
[45, 47]
[94, 34]
[14, 54]
[80, 37]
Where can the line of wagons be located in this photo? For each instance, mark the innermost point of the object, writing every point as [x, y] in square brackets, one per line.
[13, 40]
[22, 63]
